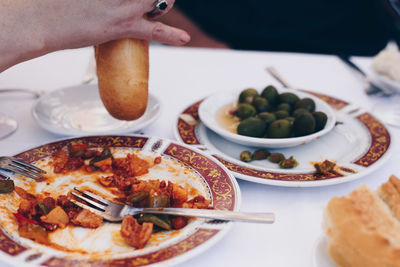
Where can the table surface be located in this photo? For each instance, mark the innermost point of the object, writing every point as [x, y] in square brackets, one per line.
[184, 75]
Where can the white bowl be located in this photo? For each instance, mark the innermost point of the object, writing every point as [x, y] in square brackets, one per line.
[78, 110]
[210, 106]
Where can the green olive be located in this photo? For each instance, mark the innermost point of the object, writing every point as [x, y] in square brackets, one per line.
[271, 94]
[290, 119]
[289, 98]
[281, 114]
[247, 95]
[298, 112]
[268, 117]
[260, 154]
[306, 103]
[276, 157]
[285, 107]
[254, 127]
[260, 103]
[245, 111]
[279, 129]
[320, 120]
[245, 156]
[288, 163]
[304, 124]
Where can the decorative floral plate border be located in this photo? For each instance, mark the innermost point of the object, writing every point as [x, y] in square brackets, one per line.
[224, 189]
[188, 124]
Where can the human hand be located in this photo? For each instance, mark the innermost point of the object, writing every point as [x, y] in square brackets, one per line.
[34, 28]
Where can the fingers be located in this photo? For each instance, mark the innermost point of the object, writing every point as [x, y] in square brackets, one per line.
[159, 32]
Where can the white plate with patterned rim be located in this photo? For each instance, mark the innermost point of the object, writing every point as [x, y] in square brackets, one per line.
[78, 110]
[358, 144]
[102, 246]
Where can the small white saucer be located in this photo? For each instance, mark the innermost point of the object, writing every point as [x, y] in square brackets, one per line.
[78, 110]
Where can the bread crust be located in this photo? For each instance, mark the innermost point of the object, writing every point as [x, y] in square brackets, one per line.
[363, 230]
[123, 74]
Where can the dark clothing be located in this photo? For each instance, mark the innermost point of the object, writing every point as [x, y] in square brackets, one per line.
[356, 27]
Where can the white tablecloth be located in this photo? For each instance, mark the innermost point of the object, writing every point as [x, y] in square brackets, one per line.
[181, 76]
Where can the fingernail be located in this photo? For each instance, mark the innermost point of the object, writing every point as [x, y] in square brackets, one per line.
[185, 37]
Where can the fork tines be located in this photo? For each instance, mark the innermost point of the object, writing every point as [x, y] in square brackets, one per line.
[89, 201]
[26, 169]
[28, 165]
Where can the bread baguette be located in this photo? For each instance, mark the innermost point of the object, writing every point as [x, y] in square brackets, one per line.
[363, 230]
[123, 74]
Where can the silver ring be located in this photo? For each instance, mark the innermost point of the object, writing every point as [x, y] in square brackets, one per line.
[159, 6]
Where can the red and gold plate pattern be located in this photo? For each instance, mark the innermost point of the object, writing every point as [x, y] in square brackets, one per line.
[180, 164]
[359, 144]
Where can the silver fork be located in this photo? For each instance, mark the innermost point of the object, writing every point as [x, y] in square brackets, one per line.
[115, 212]
[14, 165]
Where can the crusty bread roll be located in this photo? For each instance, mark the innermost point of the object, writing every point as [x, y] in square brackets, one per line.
[362, 229]
[123, 74]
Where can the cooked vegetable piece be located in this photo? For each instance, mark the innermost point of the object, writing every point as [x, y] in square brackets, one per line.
[276, 157]
[6, 186]
[77, 150]
[325, 167]
[87, 219]
[245, 156]
[23, 194]
[161, 201]
[34, 232]
[137, 197]
[288, 163]
[23, 220]
[178, 194]
[105, 164]
[44, 208]
[56, 216]
[178, 222]
[134, 234]
[106, 153]
[260, 154]
[159, 220]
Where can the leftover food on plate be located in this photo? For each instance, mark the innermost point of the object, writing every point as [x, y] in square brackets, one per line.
[261, 154]
[387, 63]
[271, 114]
[40, 209]
[363, 227]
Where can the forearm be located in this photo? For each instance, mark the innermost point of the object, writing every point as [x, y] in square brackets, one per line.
[31, 28]
[18, 42]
